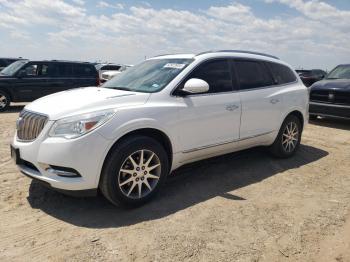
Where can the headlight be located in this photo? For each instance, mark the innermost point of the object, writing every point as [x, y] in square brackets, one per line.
[73, 127]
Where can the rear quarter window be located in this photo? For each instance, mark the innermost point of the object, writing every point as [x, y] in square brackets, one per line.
[281, 73]
[84, 70]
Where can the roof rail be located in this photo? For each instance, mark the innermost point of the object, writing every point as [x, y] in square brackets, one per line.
[239, 51]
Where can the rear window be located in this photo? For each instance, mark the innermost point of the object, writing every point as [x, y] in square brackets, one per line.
[281, 73]
[253, 74]
[84, 70]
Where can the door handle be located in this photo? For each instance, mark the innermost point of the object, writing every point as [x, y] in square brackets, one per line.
[231, 107]
[274, 101]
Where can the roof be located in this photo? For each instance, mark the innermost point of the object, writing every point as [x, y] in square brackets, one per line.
[61, 61]
[237, 53]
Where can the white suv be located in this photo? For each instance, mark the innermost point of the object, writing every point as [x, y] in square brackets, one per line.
[125, 137]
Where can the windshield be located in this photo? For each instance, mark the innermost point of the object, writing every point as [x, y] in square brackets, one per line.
[13, 68]
[340, 72]
[150, 76]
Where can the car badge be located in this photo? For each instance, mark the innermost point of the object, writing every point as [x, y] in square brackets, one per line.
[331, 96]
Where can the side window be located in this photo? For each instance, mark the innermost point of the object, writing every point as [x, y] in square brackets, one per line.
[318, 73]
[44, 70]
[59, 70]
[216, 73]
[111, 68]
[281, 73]
[252, 74]
[31, 70]
[83, 70]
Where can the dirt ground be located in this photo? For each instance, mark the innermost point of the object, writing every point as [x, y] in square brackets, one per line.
[239, 207]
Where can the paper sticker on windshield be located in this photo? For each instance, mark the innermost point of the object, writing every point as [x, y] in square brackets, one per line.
[174, 66]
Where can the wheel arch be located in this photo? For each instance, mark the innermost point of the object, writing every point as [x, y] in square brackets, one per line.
[154, 133]
[299, 115]
[7, 91]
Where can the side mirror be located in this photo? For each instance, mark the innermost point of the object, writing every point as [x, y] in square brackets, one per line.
[195, 86]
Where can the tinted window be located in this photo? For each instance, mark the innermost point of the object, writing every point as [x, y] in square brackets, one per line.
[216, 73]
[31, 70]
[253, 74]
[83, 70]
[318, 73]
[59, 70]
[37, 69]
[110, 68]
[282, 73]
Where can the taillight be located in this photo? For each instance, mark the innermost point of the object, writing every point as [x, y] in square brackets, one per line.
[98, 80]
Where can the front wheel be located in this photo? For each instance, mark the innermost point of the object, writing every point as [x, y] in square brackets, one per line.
[288, 139]
[134, 171]
[4, 101]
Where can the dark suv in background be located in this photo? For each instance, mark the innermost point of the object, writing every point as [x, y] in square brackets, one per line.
[25, 81]
[4, 62]
[311, 76]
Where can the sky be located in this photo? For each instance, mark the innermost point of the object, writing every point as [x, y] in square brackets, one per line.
[304, 33]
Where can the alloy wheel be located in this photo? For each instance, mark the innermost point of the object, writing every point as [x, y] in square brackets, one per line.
[290, 137]
[3, 101]
[139, 174]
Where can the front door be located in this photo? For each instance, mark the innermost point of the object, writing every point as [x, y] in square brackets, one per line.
[30, 83]
[210, 120]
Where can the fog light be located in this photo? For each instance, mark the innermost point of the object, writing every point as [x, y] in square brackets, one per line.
[63, 171]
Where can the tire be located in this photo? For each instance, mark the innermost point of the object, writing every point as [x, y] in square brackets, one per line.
[115, 184]
[282, 149]
[5, 101]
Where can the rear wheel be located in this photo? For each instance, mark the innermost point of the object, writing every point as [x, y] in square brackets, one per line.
[134, 171]
[4, 101]
[288, 139]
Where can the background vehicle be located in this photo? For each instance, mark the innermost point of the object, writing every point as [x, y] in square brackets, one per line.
[311, 76]
[126, 136]
[25, 81]
[331, 96]
[108, 71]
[4, 62]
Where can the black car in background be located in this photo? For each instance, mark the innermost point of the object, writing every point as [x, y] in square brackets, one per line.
[311, 76]
[4, 62]
[25, 81]
[331, 96]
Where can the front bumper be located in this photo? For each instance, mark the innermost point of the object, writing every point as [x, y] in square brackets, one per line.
[329, 110]
[85, 155]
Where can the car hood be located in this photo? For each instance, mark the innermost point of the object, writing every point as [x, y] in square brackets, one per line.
[332, 84]
[85, 100]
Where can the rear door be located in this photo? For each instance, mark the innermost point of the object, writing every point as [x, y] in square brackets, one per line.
[60, 77]
[85, 75]
[260, 96]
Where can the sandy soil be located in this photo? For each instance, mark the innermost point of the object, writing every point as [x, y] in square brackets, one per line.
[239, 207]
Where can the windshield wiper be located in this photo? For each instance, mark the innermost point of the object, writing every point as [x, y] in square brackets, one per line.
[120, 88]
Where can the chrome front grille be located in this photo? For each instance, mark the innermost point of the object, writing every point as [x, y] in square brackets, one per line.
[29, 125]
